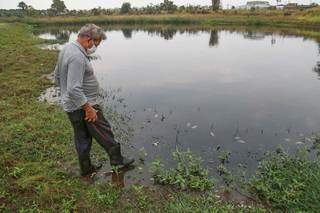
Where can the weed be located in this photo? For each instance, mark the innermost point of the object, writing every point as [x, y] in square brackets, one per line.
[188, 173]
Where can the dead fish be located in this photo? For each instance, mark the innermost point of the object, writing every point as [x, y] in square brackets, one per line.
[308, 139]
[237, 138]
[156, 115]
[241, 141]
[194, 127]
[299, 142]
[212, 134]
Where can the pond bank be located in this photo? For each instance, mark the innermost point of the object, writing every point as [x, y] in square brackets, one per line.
[37, 151]
[309, 18]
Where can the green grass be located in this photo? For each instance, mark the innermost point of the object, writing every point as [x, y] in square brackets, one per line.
[274, 18]
[290, 183]
[188, 173]
[38, 163]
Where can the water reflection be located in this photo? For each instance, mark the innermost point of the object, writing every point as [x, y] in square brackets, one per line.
[61, 35]
[118, 176]
[127, 33]
[254, 35]
[214, 38]
[317, 66]
[167, 33]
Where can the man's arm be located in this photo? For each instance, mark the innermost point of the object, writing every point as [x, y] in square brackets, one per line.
[76, 69]
[57, 75]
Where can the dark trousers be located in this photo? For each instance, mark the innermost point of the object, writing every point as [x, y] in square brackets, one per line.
[84, 131]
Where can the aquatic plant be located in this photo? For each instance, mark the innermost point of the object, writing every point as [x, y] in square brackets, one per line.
[287, 182]
[188, 173]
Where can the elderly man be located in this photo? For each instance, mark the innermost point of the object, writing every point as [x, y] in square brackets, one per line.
[79, 91]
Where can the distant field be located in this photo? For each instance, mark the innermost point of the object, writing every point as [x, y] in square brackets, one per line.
[276, 18]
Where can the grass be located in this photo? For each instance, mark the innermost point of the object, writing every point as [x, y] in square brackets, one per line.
[38, 165]
[290, 183]
[274, 18]
[188, 173]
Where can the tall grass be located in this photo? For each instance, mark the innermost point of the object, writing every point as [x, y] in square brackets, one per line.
[274, 18]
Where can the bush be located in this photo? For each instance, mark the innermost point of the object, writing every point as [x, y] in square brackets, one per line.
[188, 173]
[289, 183]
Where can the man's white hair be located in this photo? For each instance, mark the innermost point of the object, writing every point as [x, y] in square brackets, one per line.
[92, 31]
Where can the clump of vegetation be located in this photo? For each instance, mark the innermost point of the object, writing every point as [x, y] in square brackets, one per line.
[227, 178]
[103, 194]
[288, 182]
[142, 199]
[188, 174]
[207, 202]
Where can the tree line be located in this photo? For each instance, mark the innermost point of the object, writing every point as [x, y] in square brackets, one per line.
[58, 8]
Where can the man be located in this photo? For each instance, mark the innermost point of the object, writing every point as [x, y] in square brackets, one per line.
[79, 91]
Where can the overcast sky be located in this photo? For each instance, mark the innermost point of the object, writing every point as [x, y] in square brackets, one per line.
[89, 4]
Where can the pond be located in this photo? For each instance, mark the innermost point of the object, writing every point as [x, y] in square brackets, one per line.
[246, 91]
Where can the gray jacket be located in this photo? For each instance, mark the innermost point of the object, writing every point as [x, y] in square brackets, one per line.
[75, 77]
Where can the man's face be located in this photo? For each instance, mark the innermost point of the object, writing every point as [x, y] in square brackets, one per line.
[90, 43]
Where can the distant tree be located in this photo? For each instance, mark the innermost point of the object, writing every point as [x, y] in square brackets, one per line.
[97, 11]
[215, 5]
[22, 5]
[168, 6]
[31, 11]
[58, 7]
[125, 8]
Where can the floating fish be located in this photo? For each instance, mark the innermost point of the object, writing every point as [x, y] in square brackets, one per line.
[241, 141]
[308, 139]
[155, 144]
[237, 138]
[299, 142]
[156, 115]
[194, 127]
[212, 134]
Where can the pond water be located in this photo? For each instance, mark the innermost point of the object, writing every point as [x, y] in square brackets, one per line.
[245, 91]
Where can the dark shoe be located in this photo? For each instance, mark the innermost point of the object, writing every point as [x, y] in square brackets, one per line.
[125, 162]
[93, 169]
[116, 159]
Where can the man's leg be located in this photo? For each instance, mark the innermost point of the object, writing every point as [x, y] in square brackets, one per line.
[101, 131]
[82, 140]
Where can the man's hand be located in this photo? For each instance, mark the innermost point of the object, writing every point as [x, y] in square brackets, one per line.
[91, 113]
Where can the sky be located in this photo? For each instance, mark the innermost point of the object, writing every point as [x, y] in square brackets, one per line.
[89, 4]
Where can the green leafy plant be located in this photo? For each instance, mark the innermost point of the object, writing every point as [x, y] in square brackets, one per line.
[142, 199]
[288, 182]
[188, 173]
[104, 194]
